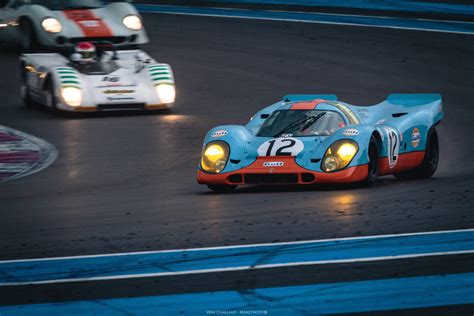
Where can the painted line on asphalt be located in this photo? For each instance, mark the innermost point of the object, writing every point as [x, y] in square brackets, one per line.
[316, 299]
[235, 258]
[440, 26]
[22, 154]
[385, 5]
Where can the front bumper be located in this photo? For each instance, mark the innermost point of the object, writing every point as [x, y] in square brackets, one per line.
[288, 173]
[117, 107]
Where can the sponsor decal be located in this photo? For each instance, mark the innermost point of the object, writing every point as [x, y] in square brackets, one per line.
[350, 132]
[120, 98]
[219, 133]
[281, 147]
[123, 91]
[393, 143]
[381, 121]
[415, 137]
[273, 164]
[341, 124]
[90, 23]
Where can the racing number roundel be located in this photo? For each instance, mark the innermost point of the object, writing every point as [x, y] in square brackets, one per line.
[281, 147]
[393, 142]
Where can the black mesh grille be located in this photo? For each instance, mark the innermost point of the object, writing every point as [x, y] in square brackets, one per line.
[113, 40]
[125, 106]
[235, 178]
[277, 178]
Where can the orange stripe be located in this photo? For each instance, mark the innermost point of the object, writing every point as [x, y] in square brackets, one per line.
[89, 23]
[306, 105]
[405, 162]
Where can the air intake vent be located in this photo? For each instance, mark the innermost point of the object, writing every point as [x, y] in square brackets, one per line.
[398, 114]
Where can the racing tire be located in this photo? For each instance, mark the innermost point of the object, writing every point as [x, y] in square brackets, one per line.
[430, 162]
[25, 92]
[222, 188]
[50, 88]
[28, 40]
[373, 164]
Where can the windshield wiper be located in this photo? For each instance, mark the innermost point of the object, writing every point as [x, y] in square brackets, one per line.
[313, 120]
[309, 121]
[291, 127]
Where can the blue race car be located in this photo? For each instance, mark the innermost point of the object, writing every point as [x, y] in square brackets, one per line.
[308, 139]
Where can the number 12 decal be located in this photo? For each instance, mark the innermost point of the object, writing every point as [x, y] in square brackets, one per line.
[281, 147]
[393, 146]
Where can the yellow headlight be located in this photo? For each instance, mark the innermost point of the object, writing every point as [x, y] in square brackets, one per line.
[346, 152]
[166, 93]
[52, 25]
[72, 96]
[339, 155]
[133, 22]
[214, 157]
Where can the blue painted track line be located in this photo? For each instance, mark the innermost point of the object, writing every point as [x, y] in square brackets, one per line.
[385, 5]
[232, 258]
[319, 299]
[457, 27]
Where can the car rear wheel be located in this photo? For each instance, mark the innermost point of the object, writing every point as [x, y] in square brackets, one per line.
[430, 162]
[222, 188]
[373, 166]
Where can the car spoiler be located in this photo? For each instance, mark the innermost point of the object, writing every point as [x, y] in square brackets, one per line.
[413, 99]
[308, 97]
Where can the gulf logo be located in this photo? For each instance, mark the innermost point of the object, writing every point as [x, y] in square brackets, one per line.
[415, 137]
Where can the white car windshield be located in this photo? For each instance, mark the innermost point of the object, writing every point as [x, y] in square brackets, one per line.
[70, 4]
[301, 123]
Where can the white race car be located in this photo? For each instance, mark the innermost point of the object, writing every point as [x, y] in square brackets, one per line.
[59, 23]
[116, 80]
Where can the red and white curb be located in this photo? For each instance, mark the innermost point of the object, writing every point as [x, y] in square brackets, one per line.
[22, 154]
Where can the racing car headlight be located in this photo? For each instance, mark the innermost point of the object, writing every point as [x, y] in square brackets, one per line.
[214, 157]
[133, 22]
[166, 93]
[339, 155]
[52, 25]
[72, 96]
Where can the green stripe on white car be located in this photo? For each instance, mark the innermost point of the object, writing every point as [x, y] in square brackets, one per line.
[161, 74]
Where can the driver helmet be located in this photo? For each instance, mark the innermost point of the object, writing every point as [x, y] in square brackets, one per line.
[87, 51]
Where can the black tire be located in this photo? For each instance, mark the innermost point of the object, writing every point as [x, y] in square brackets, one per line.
[49, 86]
[430, 162]
[373, 164]
[222, 188]
[28, 40]
[25, 90]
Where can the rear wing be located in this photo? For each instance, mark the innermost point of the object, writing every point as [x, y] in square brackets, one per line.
[413, 99]
[428, 107]
[308, 97]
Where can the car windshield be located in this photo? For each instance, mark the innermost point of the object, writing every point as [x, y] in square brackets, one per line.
[301, 123]
[71, 4]
[97, 68]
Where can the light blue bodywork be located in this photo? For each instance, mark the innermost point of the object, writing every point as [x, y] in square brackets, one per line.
[401, 112]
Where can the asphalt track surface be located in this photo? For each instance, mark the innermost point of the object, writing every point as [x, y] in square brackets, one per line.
[126, 182]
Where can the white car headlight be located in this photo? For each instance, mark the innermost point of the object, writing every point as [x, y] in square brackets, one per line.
[72, 96]
[166, 93]
[52, 25]
[133, 22]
